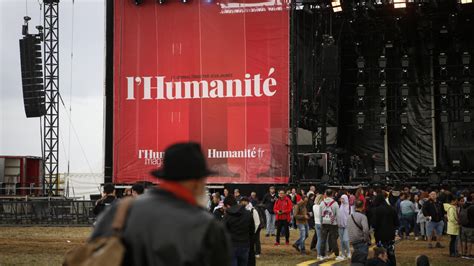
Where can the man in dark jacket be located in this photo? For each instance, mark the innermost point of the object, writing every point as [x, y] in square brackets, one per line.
[385, 221]
[269, 202]
[434, 211]
[240, 224]
[107, 199]
[169, 225]
[380, 258]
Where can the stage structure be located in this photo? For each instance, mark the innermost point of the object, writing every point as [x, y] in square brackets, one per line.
[51, 81]
[385, 88]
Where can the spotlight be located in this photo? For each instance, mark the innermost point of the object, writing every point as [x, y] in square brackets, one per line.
[360, 63]
[361, 90]
[161, 2]
[466, 58]
[382, 61]
[404, 118]
[444, 116]
[405, 90]
[443, 89]
[466, 89]
[383, 118]
[184, 1]
[399, 3]
[405, 61]
[336, 6]
[463, 2]
[467, 116]
[360, 120]
[383, 90]
[442, 59]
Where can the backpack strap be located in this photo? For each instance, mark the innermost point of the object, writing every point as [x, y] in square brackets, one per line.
[121, 214]
[358, 226]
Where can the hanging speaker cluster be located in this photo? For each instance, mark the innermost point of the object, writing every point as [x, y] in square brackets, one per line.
[32, 75]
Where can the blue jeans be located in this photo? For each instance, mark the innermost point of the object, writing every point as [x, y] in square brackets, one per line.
[344, 236]
[318, 233]
[240, 256]
[406, 222]
[304, 232]
[361, 252]
[270, 222]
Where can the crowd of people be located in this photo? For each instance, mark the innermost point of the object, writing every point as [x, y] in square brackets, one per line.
[183, 234]
[341, 218]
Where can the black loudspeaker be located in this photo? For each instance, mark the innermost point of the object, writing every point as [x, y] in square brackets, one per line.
[32, 76]
[329, 61]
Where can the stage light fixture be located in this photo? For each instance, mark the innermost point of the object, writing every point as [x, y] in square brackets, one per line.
[161, 2]
[444, 116]
[383, 118]
[466, 58]
[336, 6]
[382, 130]
[382, 62]
[405, 61]
[467, 116]
[361, 90]
[442, 60]
[360, 63]
[466, 88]
[383, 90]
[405, 90]
[360, 120]
[404, 118]
[399, 3]
[443, 89]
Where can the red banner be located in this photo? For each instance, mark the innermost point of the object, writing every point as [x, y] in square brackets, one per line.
[214, 73]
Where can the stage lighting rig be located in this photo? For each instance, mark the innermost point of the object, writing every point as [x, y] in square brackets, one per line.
[24, 28]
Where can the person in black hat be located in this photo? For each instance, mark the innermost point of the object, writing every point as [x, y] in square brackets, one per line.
[168, 225]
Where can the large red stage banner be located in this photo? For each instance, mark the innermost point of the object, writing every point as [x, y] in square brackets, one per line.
[214, 73]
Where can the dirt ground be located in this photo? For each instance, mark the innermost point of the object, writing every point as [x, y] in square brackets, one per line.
[47, 245]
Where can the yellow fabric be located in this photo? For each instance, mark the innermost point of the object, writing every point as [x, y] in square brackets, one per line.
[453, 225]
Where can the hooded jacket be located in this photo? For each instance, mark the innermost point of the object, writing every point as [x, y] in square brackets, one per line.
[344, 211]
[453, 224]
[239, 222]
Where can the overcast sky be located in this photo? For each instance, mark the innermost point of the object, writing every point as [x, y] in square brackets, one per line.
[20, 135]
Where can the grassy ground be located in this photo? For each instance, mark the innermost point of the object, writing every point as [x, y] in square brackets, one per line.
[47, 245]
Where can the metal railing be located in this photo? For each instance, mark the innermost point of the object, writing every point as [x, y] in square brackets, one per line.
[24, 211]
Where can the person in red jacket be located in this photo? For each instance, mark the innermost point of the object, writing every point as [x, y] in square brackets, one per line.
[282, 209]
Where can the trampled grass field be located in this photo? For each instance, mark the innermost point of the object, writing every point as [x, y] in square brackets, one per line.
[47, 245]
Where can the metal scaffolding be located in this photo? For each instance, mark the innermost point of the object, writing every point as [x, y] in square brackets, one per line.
[51, 81]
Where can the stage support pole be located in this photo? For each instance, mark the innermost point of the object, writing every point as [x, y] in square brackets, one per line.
[433, 110]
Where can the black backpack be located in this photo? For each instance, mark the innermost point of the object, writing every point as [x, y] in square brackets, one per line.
[261, 215]
[463, 217]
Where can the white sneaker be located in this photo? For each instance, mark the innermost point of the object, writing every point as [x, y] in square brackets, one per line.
[340, 258]
[349, 257]
[320, 258]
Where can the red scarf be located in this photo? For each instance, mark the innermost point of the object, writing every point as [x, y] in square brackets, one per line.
[178, 191]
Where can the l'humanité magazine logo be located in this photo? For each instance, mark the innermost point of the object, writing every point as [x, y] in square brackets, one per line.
[155, 158]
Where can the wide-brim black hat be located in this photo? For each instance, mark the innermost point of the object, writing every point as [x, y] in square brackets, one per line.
[183, 161]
